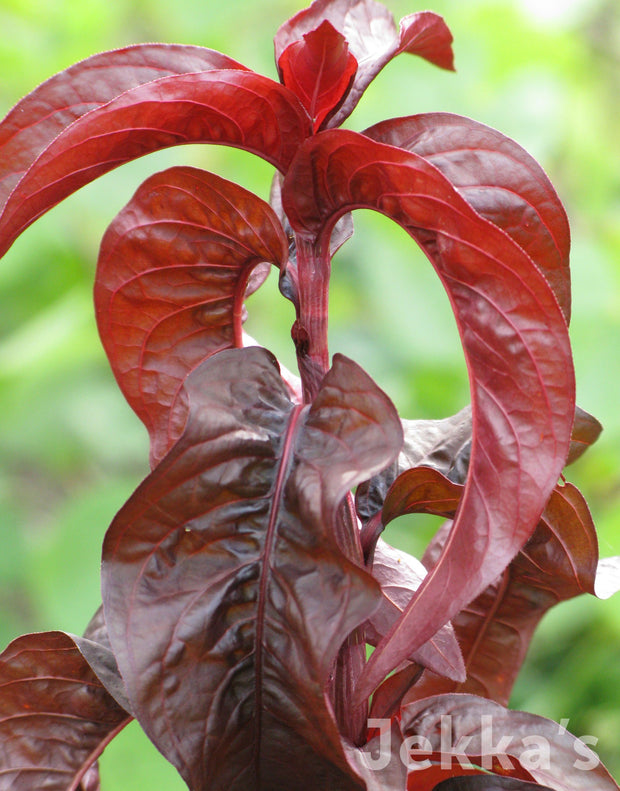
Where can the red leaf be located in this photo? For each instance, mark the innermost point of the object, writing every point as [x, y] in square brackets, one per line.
[427, 35]
[230, 107]
[494, 631]
[55, 716]
[172, 276]
[228, 547]
[319, 69]
[45, 112]
[467, 725]
[373, 39]
[586, 430]
[516, 346]
[399, 575]
[499, 179]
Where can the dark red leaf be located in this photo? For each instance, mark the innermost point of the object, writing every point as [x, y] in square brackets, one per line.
[442, 444]
[516, 346]
[229, 107]
[319, 69]
[586, 430]
[494, 631]
[171, 280]
[228, 546]
[462, 726]
[373, 39]
[55, 716]
[400, 575]
[387, 698]
[488, 783]
[499, 179]
[42, 115]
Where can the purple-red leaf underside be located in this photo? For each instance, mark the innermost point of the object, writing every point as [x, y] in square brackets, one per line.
[499, 179]
[494, 631]
[171, 280]
[372, 37]
[399, 575]
[229, 107]
[318, 69]
[55, 716]
[228, 546]
[45, 112]
[516, 346]
[486, 730]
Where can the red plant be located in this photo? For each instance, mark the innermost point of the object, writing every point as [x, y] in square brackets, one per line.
[243, 581]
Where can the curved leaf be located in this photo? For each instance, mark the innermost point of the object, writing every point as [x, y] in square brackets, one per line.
[399, 575]
[228, 547]
[171, 279]
[494, 631]
[319, 69]
[45, 112]
[369, 30]
[229, 107]
[499, 179]
[516, 347]
[55, 716]
[490, 734]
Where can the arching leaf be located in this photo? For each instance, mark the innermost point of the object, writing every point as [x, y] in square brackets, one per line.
[516, 347]
[499, 179]
[173, 272]
[229, 107]
[45, 112]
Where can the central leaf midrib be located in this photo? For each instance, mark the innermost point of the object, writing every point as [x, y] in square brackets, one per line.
[270, 539]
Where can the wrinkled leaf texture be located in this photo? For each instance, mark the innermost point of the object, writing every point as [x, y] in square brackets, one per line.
[173, 271]
[226, 106]
[399, 575]
[373, 39]
[494, 631]
[228, 547]
[499, 179]
[49, 696]
[475, 727]
[516, 347]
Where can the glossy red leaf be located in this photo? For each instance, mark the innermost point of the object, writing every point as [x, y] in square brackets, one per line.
[173, 272]
[516, 347]
[229, 107]
[499, 179]
[228, 546]
[372, 36]
[45, 112]
[319, 69]
[400, 575]
[468, 726]
[495, 630]
[55, 716]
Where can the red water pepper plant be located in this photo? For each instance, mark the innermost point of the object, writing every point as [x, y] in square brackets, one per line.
[245, 579]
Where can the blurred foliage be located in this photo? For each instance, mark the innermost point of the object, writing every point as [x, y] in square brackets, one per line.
[71, 451]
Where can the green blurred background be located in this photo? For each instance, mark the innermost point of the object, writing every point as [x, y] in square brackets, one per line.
[71, 451]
